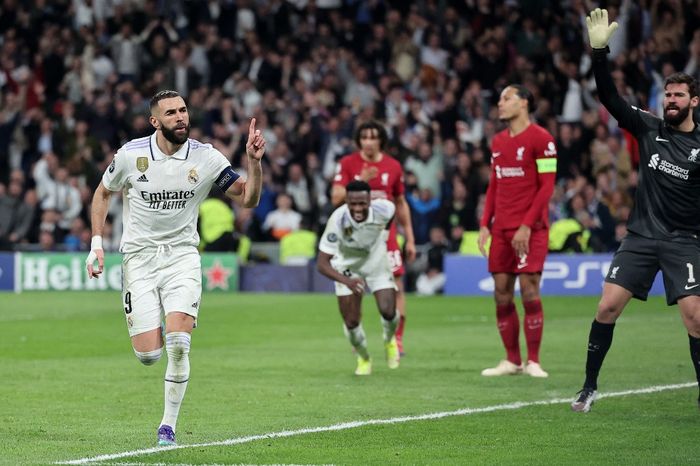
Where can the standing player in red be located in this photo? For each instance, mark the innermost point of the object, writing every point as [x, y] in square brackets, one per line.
[385, 177]
[523, 168]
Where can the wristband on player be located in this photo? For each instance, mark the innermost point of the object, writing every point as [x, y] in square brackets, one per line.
[96, 243]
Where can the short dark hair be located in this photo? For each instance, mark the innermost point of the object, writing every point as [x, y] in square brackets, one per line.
[683, 78]
[372, 124]
[357, 186]
[164, 94]
[524, 93]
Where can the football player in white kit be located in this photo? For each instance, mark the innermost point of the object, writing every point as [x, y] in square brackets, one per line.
[164, 178]
[352, 252]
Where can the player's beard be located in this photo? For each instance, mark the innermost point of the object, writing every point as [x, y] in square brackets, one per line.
[171, 136]
[678, 118]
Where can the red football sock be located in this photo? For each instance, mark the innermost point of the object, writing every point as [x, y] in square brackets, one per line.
[509, 328]
[399, 329]
[534, 321]
[399, 332]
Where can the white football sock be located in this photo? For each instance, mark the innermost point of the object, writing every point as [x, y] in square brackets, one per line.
[389, 326]
[357, 340]
[177, 345]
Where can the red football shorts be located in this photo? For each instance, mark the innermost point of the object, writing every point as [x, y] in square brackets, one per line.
[394, 253]
[502, 257]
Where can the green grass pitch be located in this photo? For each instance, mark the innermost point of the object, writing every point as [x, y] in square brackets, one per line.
[71, 389]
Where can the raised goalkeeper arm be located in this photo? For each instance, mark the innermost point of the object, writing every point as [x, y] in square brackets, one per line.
[599, 33]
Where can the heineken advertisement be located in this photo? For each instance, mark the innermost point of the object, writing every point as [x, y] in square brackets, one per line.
[66, 271]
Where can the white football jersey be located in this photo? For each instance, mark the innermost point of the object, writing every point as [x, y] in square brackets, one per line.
[358, 247]
[162, 193]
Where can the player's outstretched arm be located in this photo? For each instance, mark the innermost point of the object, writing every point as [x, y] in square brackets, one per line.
[100, 204]
[599, 34]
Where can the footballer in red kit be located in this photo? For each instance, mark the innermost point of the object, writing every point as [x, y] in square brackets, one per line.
[515, 197]
[385, 177]
[523, 170]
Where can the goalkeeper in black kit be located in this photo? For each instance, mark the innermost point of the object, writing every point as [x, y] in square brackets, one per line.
[664, 225]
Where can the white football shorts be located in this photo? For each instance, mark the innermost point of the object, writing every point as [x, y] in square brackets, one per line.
[381, 278]
[157, 282]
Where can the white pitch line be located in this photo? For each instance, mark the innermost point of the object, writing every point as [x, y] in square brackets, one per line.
[188, 464]
[371, 422]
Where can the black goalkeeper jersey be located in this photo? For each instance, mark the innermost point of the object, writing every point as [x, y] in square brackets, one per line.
[667, 201]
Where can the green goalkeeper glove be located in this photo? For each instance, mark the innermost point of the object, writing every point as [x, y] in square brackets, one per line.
[599, 32]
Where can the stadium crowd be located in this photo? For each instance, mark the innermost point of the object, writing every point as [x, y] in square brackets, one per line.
[76, 76]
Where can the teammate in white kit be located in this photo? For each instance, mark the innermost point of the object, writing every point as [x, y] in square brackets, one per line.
[164, 178]
[352, 251]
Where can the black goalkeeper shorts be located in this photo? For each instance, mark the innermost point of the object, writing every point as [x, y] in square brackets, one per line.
[638, 259]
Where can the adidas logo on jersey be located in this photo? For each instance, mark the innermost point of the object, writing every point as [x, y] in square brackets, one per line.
[142, 178]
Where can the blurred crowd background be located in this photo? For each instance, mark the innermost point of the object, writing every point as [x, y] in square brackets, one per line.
[76, 77]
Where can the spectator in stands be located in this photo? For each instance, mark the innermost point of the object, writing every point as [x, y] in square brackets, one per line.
[216, 221]
[110, 242]
[58, 193]
[319, 185]
[127, 52]
[360, 92]
[570, 151]
[75, 240]
[283, 219]
[32, 234]
[424, 213]
[298, 188]
[459, 208]
[43, 173]
[335, 142]
[433, 55]
[9, 118]
[47, 138]
[15, 216]
[47, 242]
[601, 153]
[427, 167]
[603, 224]
[433, 279]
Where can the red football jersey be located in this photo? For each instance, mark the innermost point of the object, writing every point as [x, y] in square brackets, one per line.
[386, 184]
[523, 170]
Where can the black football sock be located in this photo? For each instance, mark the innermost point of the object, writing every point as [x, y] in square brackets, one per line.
[599, 341]
[695, 357]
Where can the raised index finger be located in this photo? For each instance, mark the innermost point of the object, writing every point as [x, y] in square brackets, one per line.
[251, 128]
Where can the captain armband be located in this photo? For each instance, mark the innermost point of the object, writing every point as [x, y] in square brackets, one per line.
[548, 165]
[226, 178]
